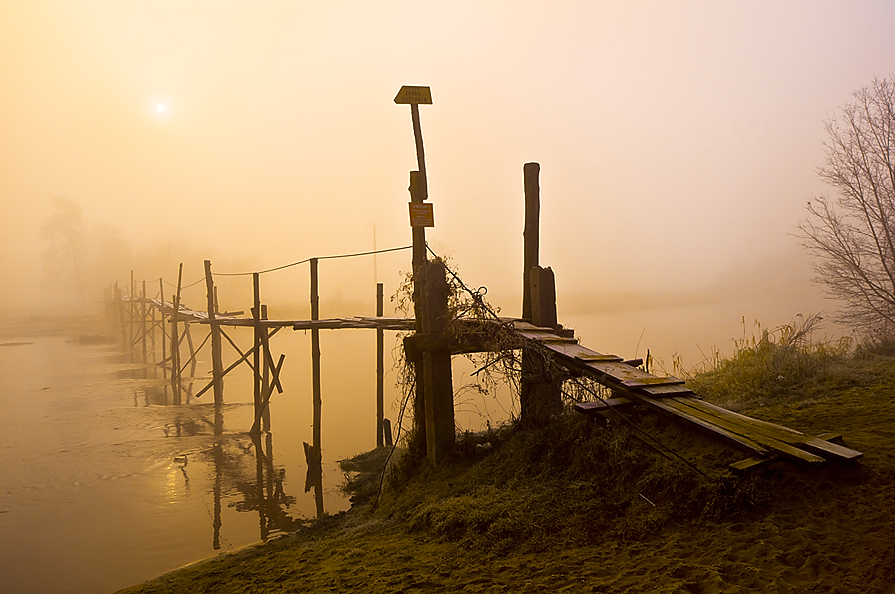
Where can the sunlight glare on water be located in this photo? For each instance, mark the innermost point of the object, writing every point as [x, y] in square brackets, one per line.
[109, 482]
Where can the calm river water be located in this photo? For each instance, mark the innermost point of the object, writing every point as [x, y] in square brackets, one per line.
[106, 482]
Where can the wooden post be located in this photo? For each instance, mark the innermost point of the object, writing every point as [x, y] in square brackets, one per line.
[217, 364]
[143, 320]
[119, 306]
[439, 391]
[542, 288]
[265, 376]
[189, 342]
[131, 314]
[380, 370]
[530, 172]
[153, 325]
[417, 194]
[175, 340]
[256, 317]
[161, 292]
[541, 394]
[317, 458]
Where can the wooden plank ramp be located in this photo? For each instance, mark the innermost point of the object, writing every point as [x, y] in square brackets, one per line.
[763, 441]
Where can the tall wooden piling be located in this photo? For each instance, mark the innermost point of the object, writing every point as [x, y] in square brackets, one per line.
[143, 329]
[315, 371]
[175, 340]
[439, 392]
[265, 375]
[161, 293]
[380, 371]
[217, 364]
[541, 393]
[530, 232]
[417, 195]
[256, 325]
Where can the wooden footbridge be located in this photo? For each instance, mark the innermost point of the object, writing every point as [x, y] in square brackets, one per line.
[437, 336]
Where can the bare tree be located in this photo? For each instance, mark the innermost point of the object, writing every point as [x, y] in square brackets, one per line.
[852, 236]
[66, 241]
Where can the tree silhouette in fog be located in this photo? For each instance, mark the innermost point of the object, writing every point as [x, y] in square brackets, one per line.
[852, 236]
[66, 246]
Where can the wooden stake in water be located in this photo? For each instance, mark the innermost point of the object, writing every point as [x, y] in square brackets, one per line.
[315, 369]
[380, 371]
[217, 364]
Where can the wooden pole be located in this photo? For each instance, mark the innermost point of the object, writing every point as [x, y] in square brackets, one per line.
[189, 342]
[315, 356]
[217, 364]
[315, 368]
[161, 292]
[143, 320]
[380, 370]
[265, 376]
[420, 153]
[437, 366]
[541, 396]
[419, 259]
[175, 340]
[256, 317]
[530, 232]
[154, 323]
[119, 306]
[131, 314]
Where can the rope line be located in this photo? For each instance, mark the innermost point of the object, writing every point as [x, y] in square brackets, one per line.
[395, 249]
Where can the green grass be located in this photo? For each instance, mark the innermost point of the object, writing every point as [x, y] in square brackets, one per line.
[581, 480]
[787, 364]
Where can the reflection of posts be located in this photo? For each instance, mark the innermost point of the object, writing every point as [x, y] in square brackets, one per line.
[259, 484]
[218, 458]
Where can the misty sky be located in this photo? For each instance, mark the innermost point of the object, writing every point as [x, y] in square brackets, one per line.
[678, 143]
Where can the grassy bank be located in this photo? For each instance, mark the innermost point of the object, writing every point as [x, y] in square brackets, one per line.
[634, 505]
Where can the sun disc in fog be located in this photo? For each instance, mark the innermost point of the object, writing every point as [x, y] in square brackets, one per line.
[160, 107]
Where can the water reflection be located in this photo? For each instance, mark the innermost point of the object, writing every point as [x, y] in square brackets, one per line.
[226, 457]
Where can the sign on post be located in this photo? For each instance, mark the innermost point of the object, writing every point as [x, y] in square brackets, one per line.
[414, 96]
[421, 214]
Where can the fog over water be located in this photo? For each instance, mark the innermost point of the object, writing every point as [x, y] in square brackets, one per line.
[678, 145]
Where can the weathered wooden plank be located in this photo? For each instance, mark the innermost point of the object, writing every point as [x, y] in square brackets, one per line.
[752, 464]
[598, 358]
[665, 391]
[831, 450]
[601, 405]
[646, 382]
[663, 406]
[743, 429]
[757, 426]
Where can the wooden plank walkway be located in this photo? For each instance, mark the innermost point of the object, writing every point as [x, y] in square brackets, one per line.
[669, 396]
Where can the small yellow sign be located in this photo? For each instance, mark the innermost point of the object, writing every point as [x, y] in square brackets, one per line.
[422, 214]
[414, 95]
